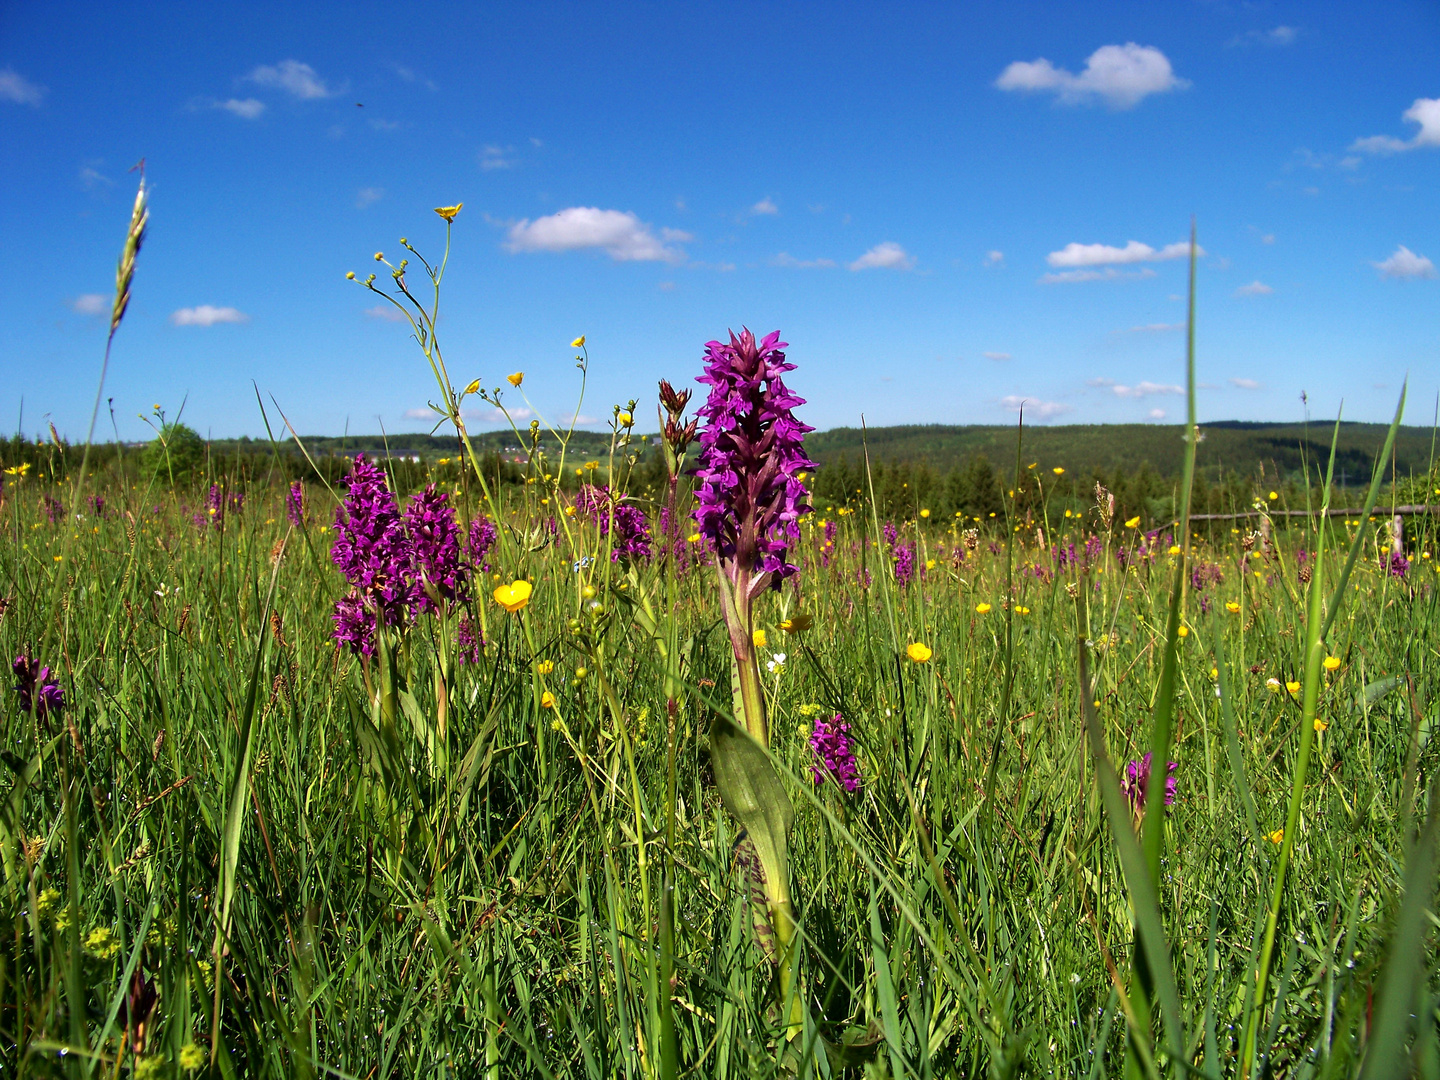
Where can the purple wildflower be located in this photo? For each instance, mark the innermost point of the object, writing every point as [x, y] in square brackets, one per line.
[215, 502]
[237, 501]
[835, 758]
[97, 505]
[1137, 780]
[1093, 547]
[468, 641]
[891, 533]
[372, 551]
[749, 497]
[482, 539]
[36, 687]
[435, 549]
[632, 533]
[904, 556]
[354, 625]
[1399, 565]
[295, 504]
[54, 509]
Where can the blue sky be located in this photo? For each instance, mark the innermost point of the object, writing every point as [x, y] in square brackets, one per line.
[945, 208]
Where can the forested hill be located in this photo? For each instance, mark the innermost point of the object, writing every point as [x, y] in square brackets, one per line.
[1227, 448]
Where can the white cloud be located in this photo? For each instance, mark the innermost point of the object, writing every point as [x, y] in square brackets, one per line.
[577, 418]
[1157, 328]
[1404, 263]
[1144, 389]
[623, 236]
[1255, 288]
[1247, 384]
[998, 356]
[379, 123]
[426, 413]
[786, 259]
[206, 315]
[1279, 35]
[497, 157]
[497, 416]
[1036, 410]
[411, 76]
[366, 196]
[388, 312]
[15, 87]
[1157, 414]
[245, 108]
[93, 178]
[765, 206]
[887, 256]
[1121, 75]
[994, 258]
[297, 79]
[1108, 274]
[88, 304]
[1425, 112]
[1073, 254]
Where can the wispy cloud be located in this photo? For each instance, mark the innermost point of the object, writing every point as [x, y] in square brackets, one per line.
[994, 258]
[1404, 263]
[620, 234]
[1034, 408]
[387, 312]
[88, 304]
[92, 178]
[425, 413]
[368, 196]
[1144, 389]
[1120, 75]
[1255, 288]
[296, 79]
[1108, 274]
[206, 315]
[997, 356]
[1156, 414]
[884, 256]
[1425, 112]
[1247, 384]
[1275, 36]
[1156, 328]
[786, 259]
[15, 88]
[1074, 254]
[412, 76]
[245, 108]
[765, 206]
[497, 157]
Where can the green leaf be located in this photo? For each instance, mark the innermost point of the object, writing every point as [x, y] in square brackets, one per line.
[752, 791]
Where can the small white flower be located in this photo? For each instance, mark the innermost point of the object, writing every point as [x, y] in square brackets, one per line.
[776, 663]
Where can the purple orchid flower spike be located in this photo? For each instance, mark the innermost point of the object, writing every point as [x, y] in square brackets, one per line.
[749, 493]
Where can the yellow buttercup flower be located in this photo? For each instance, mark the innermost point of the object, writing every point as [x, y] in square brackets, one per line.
[1275, 837]
[1174, 549]
[1332, 663]
[918, 651]
[1320, 725]
[514, 596]
[544, 667]
[925, 513]
[1020, 609]
[759, 638]
[1274, 495]
[1184, 631]
[1058, 471]
[982, 608]
[547, 700]
[1232, 607]
[516, 379]
[578, 343]
[449, 212]
[1293, 687]
[473, 388]
[797, 623]
[1133, 522]
[625, 419]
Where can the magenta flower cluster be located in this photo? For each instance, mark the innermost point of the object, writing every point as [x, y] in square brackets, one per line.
[1136, 782]
[295, 505]
[397, 564]
[834, 756]
[751, 449]
[36, 687]
[482, 538]
[632, 532]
